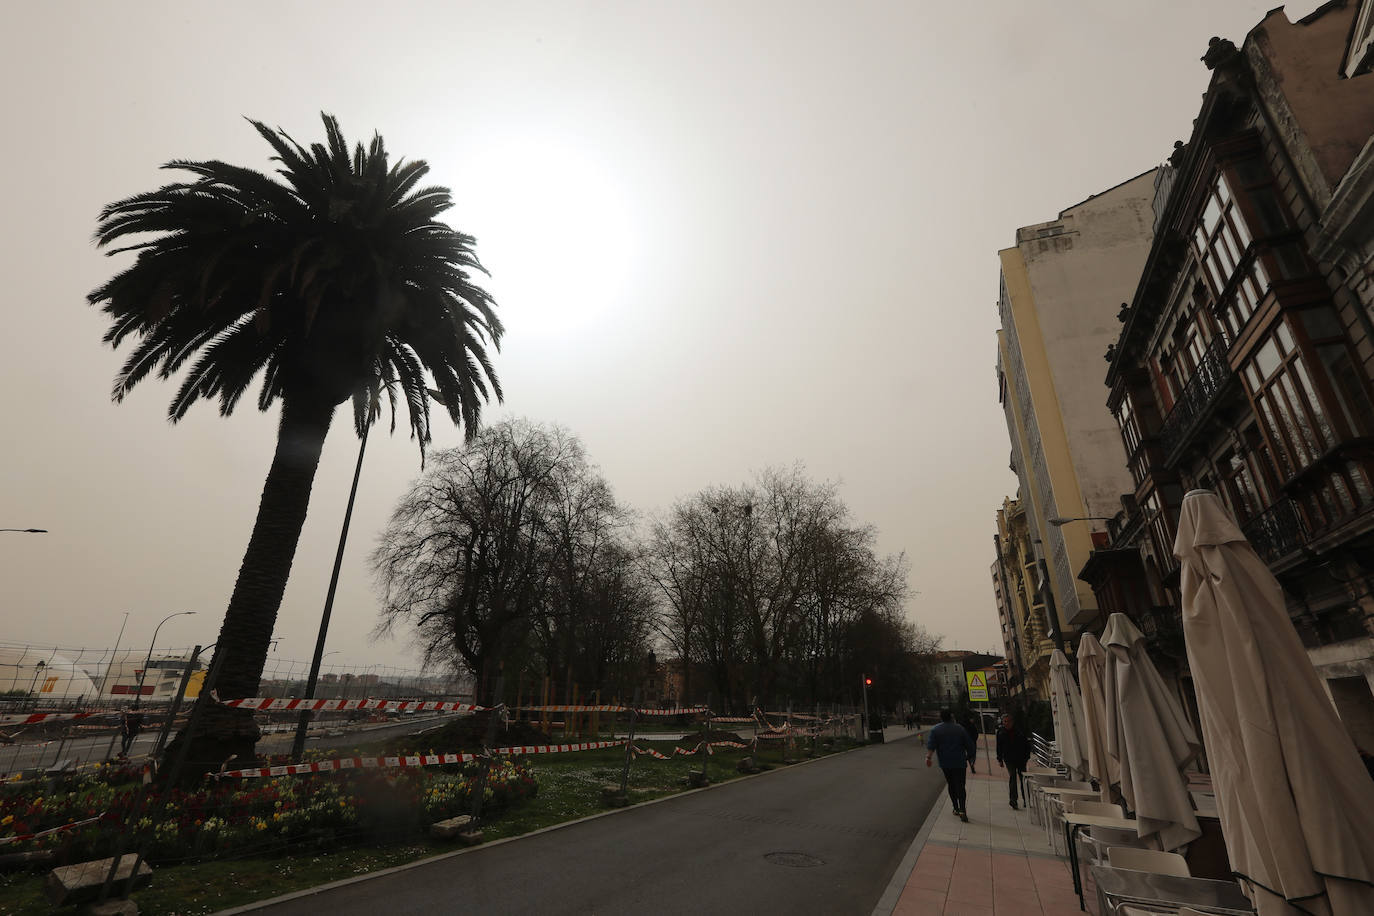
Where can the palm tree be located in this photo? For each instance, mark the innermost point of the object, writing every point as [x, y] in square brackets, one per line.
[330, 283]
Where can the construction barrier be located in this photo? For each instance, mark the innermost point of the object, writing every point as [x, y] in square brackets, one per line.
[350, 763]
[6, 840]
[272, 704]
[558, 748]
[36, 717]
[276, 704]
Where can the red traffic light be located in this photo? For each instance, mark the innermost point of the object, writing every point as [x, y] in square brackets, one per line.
[868, 682]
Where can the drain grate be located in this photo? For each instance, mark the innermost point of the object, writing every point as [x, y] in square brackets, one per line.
[794, 859]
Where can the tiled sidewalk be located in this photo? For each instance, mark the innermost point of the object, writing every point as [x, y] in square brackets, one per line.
[997, 864]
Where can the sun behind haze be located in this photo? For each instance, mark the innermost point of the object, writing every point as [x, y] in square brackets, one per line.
[722, 236]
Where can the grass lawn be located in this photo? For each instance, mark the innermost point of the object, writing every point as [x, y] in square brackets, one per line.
[569, 788]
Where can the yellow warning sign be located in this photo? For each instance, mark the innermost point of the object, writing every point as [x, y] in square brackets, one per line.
[977, 686]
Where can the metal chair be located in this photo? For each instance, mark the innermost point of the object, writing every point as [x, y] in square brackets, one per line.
[1045, 809]
[1151, 860]
[1100, 840]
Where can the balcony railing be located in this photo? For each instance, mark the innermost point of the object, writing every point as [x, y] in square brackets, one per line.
[1201, 392]
[1160, 622]
[1277, 532]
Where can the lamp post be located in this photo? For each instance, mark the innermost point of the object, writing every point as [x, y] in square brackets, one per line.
[148, 660]
[303, 722]
[37, 672]
[114, 654]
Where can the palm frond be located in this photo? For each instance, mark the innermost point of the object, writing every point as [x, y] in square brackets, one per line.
[331, 278]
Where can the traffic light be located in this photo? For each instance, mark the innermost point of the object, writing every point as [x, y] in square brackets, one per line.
[868, 681]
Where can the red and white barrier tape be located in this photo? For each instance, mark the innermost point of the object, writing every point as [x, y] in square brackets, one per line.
[683, 752]
[270, 704]
[19, 837]
[350, 763]
[274, 704]
[413, 760]
[681, 711]
[558, 748]
[36, 717]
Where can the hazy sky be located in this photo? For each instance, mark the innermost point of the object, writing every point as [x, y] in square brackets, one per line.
[722, 235]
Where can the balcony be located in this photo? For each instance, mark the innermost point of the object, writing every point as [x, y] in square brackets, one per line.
[1277, 532]
[1201, 393]
[1160, 622]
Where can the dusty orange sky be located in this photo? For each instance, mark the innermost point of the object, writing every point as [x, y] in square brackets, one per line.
[723, 235]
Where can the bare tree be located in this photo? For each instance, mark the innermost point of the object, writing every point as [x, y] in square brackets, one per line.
[511, 552]
[764, 585]
[461, 559]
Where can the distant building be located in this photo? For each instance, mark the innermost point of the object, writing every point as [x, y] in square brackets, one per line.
[43, 675]
[1059, 287]
[125, 678]
[949, 672]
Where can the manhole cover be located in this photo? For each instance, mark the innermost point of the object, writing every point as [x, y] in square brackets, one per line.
[794, 859]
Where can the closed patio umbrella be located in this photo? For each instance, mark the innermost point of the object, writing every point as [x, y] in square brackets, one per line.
[1149, 737]
[1066, 703]
[1296, 804]
[1092, 677]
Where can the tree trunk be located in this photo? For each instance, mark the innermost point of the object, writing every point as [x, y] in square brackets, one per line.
[246, 633]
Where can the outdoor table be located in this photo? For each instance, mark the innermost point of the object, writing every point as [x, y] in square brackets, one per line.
[1071, 824]
[1116, 886]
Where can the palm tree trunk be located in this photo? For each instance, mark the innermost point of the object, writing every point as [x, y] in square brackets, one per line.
[246, 633]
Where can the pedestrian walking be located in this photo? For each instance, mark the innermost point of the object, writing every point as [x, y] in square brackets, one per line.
[952, 743]
[130, 724]
[1013, 753]
[971, 726]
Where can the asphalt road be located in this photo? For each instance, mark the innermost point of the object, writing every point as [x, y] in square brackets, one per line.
[821, 837]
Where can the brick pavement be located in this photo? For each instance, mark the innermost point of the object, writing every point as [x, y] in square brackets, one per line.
[997, 864]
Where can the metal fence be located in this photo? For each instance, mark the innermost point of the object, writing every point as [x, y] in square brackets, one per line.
[47, 677]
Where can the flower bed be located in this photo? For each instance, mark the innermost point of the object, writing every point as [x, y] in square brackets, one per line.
[246, 817]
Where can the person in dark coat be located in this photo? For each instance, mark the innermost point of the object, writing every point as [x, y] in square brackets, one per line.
[951, 741]
[130, 724]
[1013, 753]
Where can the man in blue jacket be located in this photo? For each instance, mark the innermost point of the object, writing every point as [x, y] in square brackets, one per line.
[951, 742]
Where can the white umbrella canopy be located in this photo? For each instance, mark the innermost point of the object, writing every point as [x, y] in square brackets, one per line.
[1150, 738]
[1066, 703]
[1092, 677]
[1296, 803]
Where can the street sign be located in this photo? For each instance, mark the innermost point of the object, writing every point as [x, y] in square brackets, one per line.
[977, 686]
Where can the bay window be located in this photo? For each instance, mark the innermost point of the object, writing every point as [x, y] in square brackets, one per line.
[1308, 407]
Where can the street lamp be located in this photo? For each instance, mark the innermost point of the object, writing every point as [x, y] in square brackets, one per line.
[27, 530]
[37, 672]
[303, 722]
[149, 659]
[1058, 522]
